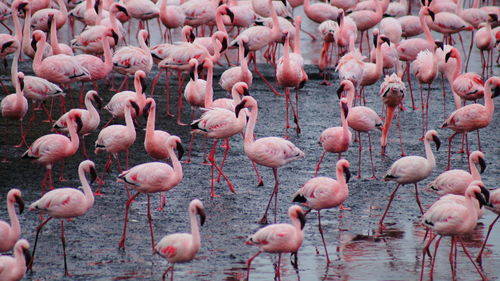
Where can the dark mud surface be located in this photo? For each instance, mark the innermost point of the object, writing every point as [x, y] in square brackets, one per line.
[356, 252]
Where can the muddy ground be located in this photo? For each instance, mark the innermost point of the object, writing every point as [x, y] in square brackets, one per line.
[356, 252]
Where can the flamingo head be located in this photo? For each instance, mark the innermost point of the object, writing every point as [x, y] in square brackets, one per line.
[150, 105]
[95, 97]
[296, 212]
[432, 135]
[223, 39]
[241, 88]
[196, 207]
[344, 106]
[496, 83]
[193, 66]
[176, 141]
[21, 6]
[96, 6]
[477, 157]
[77, 118]
[119, 8]
[439, 44]
[453, 53]
[492, 18]
[132, 104]
[340, 16]
[37, 35]
[343, 165]
[479, 191]
[25, 247]
[20, 78]
[14, 196]
[141, 76]
[228, 12]
[50, 20]
[89, 167]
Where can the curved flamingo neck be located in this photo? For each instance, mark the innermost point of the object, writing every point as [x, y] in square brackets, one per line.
[460, 7]
[142, 44]
[340, 175]
[195, 231]
[296, 45]
[379, 63]
[475, 4]
[428, 154]
[350, 96]
[37, 60]
[54, 43]
[19, 95]
[176, 164]
[286, 54]
[91, 108]
[276, 25]
[150, 125]
[129, 123]
[345, 127]
[488, 100]
[15, 227]
[20, 259]
[208, 88]
[458, 69]
[26, 30]
[75, 140]
[108, 57]
[243, 60]
[218, 20]
[17, 25]
[427, 31]
[473, 169]
[254, 112]
[89, 195]
[62, 8]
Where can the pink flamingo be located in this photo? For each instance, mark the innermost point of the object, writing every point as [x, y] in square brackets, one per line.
[194, 92]
[494, 206]
[290, 73]
[272, 152]
[392, 92]
[117, 138]
[261, 8]
[456, 181]
[320, 12]
[473, 116]
[52, 148]
[172, 16]
[397, 9]
[90, 118]
[200, 12]
[449, 217]
[39, 19]
[14, 268]
[66, 203]
[372, 72]
[412, 169]
[279, 238]
[473, 16]
[11, 233]
[346, 32]
[142, 10]
[390, 57]
[327, 30]
[183, 247]
[351, 65]
[336, 139]
[371, 5]
[15, 106]
[57, 48]
[152, 177]
[366, 19]
[129, 59]
[362, 119]
[29, 42]
[448, 23]
[485, 41]
[244, 15]
[154, 141]
[237, 73]
[325, 193]
[410, 26]
[116, 106]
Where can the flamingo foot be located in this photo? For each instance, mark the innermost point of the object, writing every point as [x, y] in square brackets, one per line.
[263, 220]
[181, 123]
[261, 183]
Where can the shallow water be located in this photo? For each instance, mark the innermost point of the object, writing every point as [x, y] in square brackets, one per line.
[357, 250]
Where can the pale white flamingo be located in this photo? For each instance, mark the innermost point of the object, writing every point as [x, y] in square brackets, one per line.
[150, 178]
[11, 232]
[392, 92]
[199, 12]
[272, 152]
[473, 116]
[351, 65]
[66, 203]
[14, 268]
[279, 238]
[325, 193]
[336, 139]
[327, 30]
[39, 19]
[142, 10]
[391, 28]
[396, 9]
[261, 8]
[410, 26]
[494, 206]
[485, 41]
[453, 216]
[15, 106]
[412, 169]
[52, 148]
[183, 247]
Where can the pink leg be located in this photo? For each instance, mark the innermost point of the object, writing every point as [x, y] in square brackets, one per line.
[167, 93]
[381, 222]
[23, 142]
[453, 272]
[359, 156]
[262, 77]
[424, 251]
[84, 149]
[263, 220]
[319, 163]
[150, 220]
[323, 238]
[449, 149]
[123, 83]
[478, 259]
[287, 100]
[155, 80]
[226, 150]
[179, 100]
[373, 177]
[191, 140]
[431, 273]
[259, 178]
[418, 199]
[400, 137]
[121, 244]
[409, 84]
[249, 262]
[472, 260]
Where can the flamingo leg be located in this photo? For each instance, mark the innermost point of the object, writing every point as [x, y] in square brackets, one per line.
[167, 94]
[23, 142]
[259, 178]
[155, 80]
[256, 70]
[150, 220]
[373, 177]
[478, 259]
[211, 158]
[38, 229]
[163, 201]
[263, 220]
[226, 150]
[181, 79]
[359, 156]
[453, 273]
[418, 199]
[424, 251]
[449, 149]
[320, 228]
[472, 260]
[121, 244]
[287, 100]
[431, 273]
[400, 136]
[84, 149]
[63, 241]
[381, 222]
[191, 140]
[319, 163]
[249, 262]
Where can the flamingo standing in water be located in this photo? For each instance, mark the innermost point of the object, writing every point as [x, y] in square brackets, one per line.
[183, 247]
[11, 233]
[412, 169]
[336, 139]
[15, 106]
[473, 116]
[152, 177]
[362, 119]
[453, 216]
[279, 238]
[66, 203]
[272, 152]
[392, 91]
[52, 148]
[494, 206]
[14, 268]
[324, 193]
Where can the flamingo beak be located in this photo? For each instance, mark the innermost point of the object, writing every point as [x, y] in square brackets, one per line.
[246, 49]
[6, 45]
[146, 109]
[345, 108]
[482, 164]
[481, 198]
[96, 6]
[202, 215]
[33, 43]
[79, 123]
[49, 20]
[136, 107]
[93, 174]
[21, 83]
[20, 203]
[447, 56]
[386, 40]
[230, 14]
[122, 9]
[239, 107]
[191, 73]
[180, 150]
[245, 92]
[27, 256]
[144, 85]
[440, 45]
[347, 174]
[497, 92]
[98, 101]
[340, 90]
[224, 44]
[302, 219]
[433, 16]
[486, 193]
[200, 68]
[191, 37]
[115, 36]
[437, 141]
[375, 39]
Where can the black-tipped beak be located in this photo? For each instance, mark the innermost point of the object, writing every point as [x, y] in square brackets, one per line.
[423, 2]
[375, 39]
[347, 174]
[340, 90]
[437, 141]
[493, 17]
[496, 92]
[238, 108]
[20, 203]
[224, 44]
[429, 3]
[22, 6]
[96, 6]
[143, 84]
[93, 174]
[33, 43]
[21, 83]
[98, 101]
[284, 2]
[386, 40]
[115, 36]
[191, 72]
[246, 49]
[481, 198]
[482, 164]
[200, 68]
[79, 123]
[447, 56]
[27, 256]
[6, 45]
[49, 20]
[136, 107]
[339, 18]
[302, 219]
[486, 193]
[145, 110]
[433, 16]
[245, 92]
[202, 215]
[440, 45]
[122, 9]
[230, 14]
[191, 37]
[180, 150]
[345, 109]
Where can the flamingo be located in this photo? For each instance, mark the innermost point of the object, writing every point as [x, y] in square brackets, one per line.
[183, 247]
[11, 233]
[66, 203]
[52, 148]
[390, 57]
[117, 138]
[200, 12]
[14, 268]
[396, 9]
[320, 12]
[262, 9]
[449, 217]
[473, 116]
[325, 193]
[172, 16]
[412, 169]
[336, 139]
[373, 71]
[237, 73]
[90, 118]
[494, 206]
[468, 86]
[39, 19]
[366, 19]
[28, 42]
[194, 92]
[272, 152]
[485, 41]
[410, 26]
[327, 30]
[142, 10]
[57, 48]
[351, 65]
[456, 181]
[392, 92]
[279, 238]
[15, 106]
[98, 68]
[129, 59]
[152, 177]
[154, 141]
[362, 119]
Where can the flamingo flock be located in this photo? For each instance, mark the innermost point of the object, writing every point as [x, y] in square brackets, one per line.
[107, 40]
